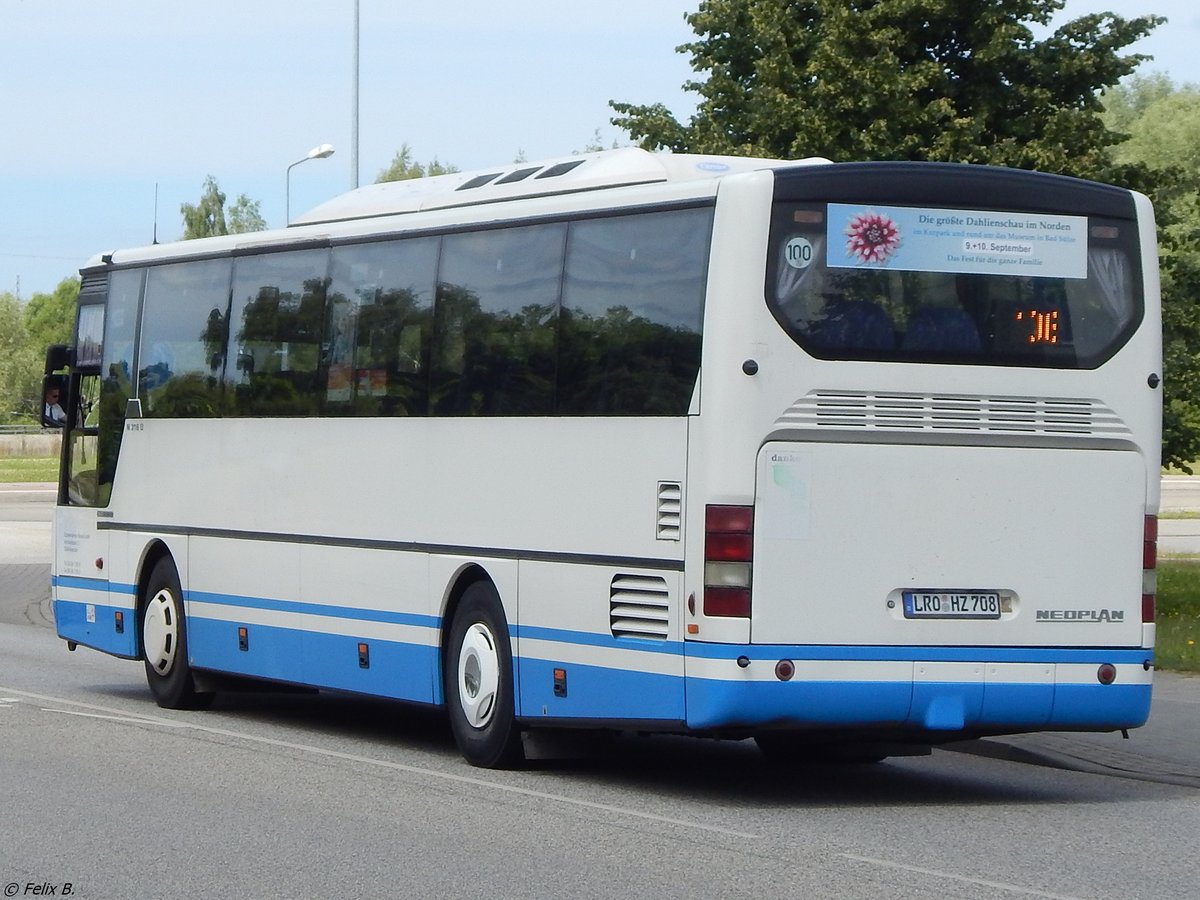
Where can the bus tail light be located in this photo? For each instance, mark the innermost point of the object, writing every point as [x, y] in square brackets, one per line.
[728, 553]
[1149, 564]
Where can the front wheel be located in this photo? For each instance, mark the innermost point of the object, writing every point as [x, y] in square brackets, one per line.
[164, 642]
[477, 677]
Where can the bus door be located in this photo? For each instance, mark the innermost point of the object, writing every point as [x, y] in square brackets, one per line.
[88, 607]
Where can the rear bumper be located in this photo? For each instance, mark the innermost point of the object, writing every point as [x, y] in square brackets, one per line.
[940, 694]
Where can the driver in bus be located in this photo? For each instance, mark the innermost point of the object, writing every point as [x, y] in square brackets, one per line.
[53, 410]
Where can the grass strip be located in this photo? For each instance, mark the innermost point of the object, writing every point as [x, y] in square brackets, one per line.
[23, 470]
[1177, 646]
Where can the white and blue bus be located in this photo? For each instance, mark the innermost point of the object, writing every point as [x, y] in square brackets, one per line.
[851, 458]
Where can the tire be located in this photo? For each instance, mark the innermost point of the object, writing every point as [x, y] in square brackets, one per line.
[787, 748]
[477, 677]
[164, 642]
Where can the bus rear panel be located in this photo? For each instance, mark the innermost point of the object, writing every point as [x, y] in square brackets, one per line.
[945, 527]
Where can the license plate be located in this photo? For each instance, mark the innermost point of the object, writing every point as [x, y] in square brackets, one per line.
[941, 604]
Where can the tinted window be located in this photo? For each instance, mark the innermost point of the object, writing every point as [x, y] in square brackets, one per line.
[89, 336]
[379, 322]
[497, 310]
[633, 300]
[116, 368]
[593, 317]
[83, 409]
[957, 286]
[276, 325]
[184, 331]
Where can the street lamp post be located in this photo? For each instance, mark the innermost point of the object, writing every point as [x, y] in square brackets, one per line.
[322, 152]
[354, 109]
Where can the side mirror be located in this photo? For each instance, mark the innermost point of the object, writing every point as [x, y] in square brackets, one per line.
[58, 356]
[54, 390]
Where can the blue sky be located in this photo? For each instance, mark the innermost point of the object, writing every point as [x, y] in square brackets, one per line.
[104, 101]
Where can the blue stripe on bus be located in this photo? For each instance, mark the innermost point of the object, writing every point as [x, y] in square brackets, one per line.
[598, 692]
[71, 623]
[396, 670]
[411, 672]
[882, 653]
[922, 707]
[796, 704]
[352, 613]
[592, 639]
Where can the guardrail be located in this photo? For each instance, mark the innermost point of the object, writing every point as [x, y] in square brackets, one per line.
[21, 429]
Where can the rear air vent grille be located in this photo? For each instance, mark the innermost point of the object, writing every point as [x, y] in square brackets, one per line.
[953, 413]
[639, 607]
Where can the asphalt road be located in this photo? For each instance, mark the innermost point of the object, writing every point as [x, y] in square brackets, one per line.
[283, 795]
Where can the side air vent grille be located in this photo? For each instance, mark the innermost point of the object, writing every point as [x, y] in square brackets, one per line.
[639, 607]
[93, 285]
[670, 511]
[953, 413]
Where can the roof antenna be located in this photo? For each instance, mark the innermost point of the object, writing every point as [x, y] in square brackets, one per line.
[155, 212]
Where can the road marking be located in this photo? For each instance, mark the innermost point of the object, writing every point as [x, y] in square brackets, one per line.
[118, 715]
[936, 873]
[134, 720]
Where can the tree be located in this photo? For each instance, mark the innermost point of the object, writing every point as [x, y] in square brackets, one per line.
[403, 167]
[25, 333]
[1163, 125]
[1124, 103]
[846, 79]
[49, 317]
[898, 79]
[245, 216]
[20, 365]
[207, 218]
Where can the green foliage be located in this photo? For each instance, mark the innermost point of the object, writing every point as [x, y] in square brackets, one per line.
[1125, 103]
[207, 218]
[845, 79]
[403, 167]
[19, 382]
[1162, 159]
[49, 317]
[245, 216]
[25, 333]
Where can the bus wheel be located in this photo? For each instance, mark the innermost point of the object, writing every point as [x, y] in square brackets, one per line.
[478, 680]
[164, 642]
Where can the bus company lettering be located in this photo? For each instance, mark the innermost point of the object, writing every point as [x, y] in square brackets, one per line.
[1080, 615]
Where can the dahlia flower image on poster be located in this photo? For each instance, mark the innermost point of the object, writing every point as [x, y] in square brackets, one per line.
[871, 237]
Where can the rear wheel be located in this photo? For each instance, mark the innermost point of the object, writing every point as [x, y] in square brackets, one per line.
[164, 642]
[477, 677]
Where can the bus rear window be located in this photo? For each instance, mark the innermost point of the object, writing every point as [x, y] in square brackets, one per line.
[909, 284]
